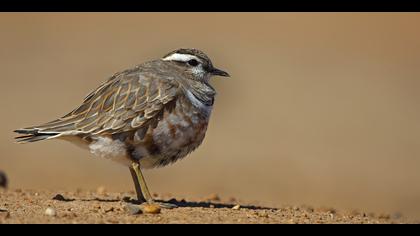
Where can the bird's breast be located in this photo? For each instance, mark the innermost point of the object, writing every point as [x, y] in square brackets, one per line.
[178, 133]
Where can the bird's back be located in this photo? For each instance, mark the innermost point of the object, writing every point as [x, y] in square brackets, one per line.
[127, 100]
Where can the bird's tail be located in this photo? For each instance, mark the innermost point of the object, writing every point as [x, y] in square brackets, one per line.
[53, 129]
[33, 135]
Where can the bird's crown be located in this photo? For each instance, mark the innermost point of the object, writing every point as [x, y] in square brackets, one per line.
[186, 54]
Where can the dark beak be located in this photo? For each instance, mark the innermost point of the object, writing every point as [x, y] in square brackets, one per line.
[218, 72]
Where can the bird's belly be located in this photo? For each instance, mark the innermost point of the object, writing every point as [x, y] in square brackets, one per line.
[175, 136]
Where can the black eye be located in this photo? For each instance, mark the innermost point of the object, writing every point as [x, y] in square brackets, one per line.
[193, 62]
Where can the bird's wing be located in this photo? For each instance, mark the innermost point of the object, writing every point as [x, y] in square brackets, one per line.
[129, 100]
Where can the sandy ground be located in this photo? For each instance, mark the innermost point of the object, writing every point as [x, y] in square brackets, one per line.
[321, 109]
[29, 206]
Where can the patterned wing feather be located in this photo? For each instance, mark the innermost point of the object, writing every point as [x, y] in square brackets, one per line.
[128, 101]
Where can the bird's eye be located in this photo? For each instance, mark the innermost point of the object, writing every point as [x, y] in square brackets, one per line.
[193, 62]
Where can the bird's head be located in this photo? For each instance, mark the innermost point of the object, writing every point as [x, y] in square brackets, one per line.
[194, 62]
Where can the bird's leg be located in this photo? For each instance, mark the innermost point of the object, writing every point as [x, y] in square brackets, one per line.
[139, 193]
[142, 190]
[140, 183]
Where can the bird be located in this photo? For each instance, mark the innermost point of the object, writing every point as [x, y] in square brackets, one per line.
[144, 117]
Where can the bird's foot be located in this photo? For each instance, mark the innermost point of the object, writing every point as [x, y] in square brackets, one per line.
[163, 205]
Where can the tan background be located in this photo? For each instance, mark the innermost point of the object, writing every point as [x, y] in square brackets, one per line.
[322, 109]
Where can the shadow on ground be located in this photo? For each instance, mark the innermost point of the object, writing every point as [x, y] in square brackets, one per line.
[181, 203]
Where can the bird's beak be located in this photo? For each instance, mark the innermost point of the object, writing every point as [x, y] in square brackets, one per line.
[218, 72]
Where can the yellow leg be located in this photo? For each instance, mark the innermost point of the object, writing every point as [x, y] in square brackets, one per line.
[140, 183]
[139, 192]
[142, 190]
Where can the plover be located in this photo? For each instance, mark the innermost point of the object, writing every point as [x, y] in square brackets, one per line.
[144, 117]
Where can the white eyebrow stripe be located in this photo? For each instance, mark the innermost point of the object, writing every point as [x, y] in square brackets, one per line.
[180, 57]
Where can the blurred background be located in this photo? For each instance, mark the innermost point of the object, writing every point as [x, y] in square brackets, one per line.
[322, 108]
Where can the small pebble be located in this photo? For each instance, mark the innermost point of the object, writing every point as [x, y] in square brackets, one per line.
[59, 197]
[151, 209]
[3, 180]
[50, 212]
[263, 214]
[237, 207]
[132, 209]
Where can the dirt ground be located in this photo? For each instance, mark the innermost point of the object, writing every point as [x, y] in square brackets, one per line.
[321, 109]
[29, 206]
